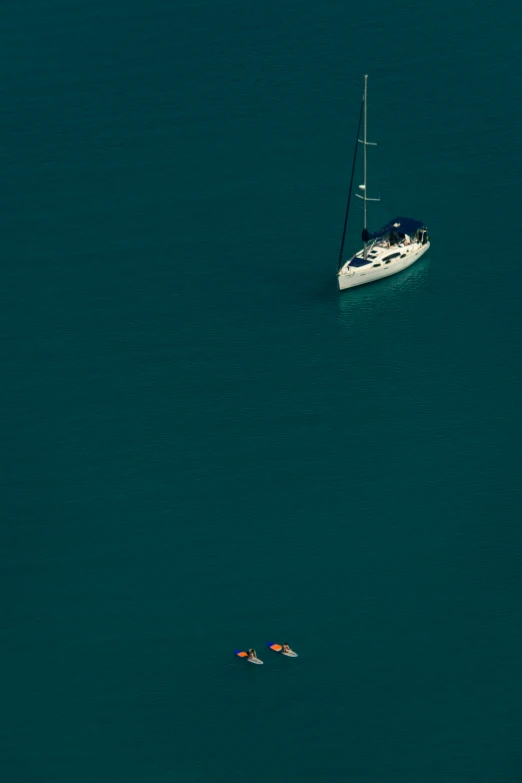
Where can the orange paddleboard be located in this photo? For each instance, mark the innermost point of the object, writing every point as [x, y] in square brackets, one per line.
[243, 654]
[279, 649]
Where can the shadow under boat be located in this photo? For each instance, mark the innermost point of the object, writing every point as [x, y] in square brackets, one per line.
[373, 295]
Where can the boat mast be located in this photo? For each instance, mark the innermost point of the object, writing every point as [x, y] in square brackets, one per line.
[364, 141]
[364, 145]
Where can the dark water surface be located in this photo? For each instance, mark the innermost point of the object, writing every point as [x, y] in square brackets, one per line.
[206, 446]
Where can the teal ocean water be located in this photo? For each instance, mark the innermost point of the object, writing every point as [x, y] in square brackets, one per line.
[206, 446]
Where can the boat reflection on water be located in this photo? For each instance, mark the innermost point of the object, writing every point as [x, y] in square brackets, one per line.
[385, 292]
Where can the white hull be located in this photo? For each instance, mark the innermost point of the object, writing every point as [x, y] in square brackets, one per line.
[381, 265]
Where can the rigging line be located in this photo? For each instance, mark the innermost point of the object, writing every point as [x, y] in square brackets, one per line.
[351, 185]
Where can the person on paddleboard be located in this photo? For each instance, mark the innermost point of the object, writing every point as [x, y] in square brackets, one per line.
[251, 653]
[286, 648]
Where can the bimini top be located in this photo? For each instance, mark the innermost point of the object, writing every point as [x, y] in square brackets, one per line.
[400, 225]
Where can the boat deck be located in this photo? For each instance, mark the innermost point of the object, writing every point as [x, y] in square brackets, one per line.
[383, 253]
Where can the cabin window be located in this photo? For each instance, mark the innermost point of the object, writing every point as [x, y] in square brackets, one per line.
[376, 264]
[392, 255]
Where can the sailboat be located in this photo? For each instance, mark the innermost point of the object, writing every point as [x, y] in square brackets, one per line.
[394, 247]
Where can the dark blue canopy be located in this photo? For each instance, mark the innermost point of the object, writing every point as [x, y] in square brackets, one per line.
[400, 225]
